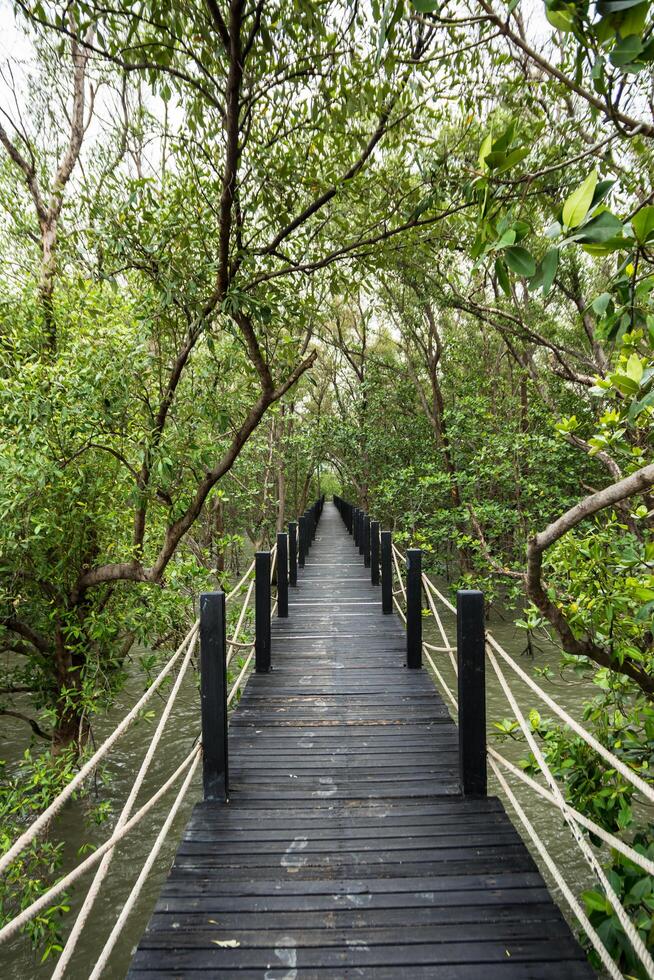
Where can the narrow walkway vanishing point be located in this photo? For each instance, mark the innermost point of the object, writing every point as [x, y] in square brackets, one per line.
[346, 848]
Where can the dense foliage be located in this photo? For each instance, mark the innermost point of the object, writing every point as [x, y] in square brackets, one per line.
[251, 251]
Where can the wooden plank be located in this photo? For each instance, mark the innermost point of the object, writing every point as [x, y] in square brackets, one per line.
[346, 848]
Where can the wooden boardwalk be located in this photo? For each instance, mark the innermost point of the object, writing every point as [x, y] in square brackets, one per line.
[346, 849]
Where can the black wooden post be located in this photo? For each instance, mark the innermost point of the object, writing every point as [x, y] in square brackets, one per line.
[387, 572]
[362, 531]
[262, 611]
[302, 551]
[414, 607]
[470, 637]
[282, 575]
[213, 694]
[366, 541]
[355, 526]
[374, 552]
[292, 552]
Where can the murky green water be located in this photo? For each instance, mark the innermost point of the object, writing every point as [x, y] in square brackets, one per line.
[18, 961]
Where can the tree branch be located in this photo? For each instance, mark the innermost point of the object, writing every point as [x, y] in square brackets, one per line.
[611, 496]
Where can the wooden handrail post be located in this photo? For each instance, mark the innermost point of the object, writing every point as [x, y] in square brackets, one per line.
[414, 608]
[282, 575]
[387, 571]
[374, 552]
[362, 531]
[302, 552]
[471, 657]
[355, 526]
[292, 552]
[213, 696]
[262, 612]
[366, 541]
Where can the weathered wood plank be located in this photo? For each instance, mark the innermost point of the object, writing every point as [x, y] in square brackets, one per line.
[346, 849]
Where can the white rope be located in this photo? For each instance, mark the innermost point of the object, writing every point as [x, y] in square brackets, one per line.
[439, 595]
[608, 838]
[28, 913]
[440, 677]
[573, 818]
[625, 921]
[145, 871]
[439, 623]
[238, 587]
[398, 553]
[101, 873]
[449, 649]
[430, 646]
[44, 818]
[399, 576]
[238, 680]
[244, 608]
[399, 609]
[610, 757]
[607, 960]
[614, 762]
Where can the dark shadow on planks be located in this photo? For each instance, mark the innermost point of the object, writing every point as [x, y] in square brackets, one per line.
[346, 850]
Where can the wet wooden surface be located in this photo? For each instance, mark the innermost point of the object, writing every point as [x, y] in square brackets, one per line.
[346, 849]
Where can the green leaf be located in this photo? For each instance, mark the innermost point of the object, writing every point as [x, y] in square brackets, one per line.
[549, 266]
[605, 7]
[639, 406]
[520, 261]
[638, 892]
[484, 150]
[598, 230]
[562, 20]
[602, 189]
[595, 902]
[634, 368]
[502, 276]
[626, 51]
[503, 142]
[643, 223]
[513, 158]
[576, 206]
[601, 303]
[644, 613]
[605, 248]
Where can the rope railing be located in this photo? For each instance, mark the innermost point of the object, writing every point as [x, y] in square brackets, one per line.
[11, 928]
[42, 821]
[578, 823]
[128, 819]
[610, 757]
[185, 650]
[101, 873]
[553, 794]
[234, 643]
